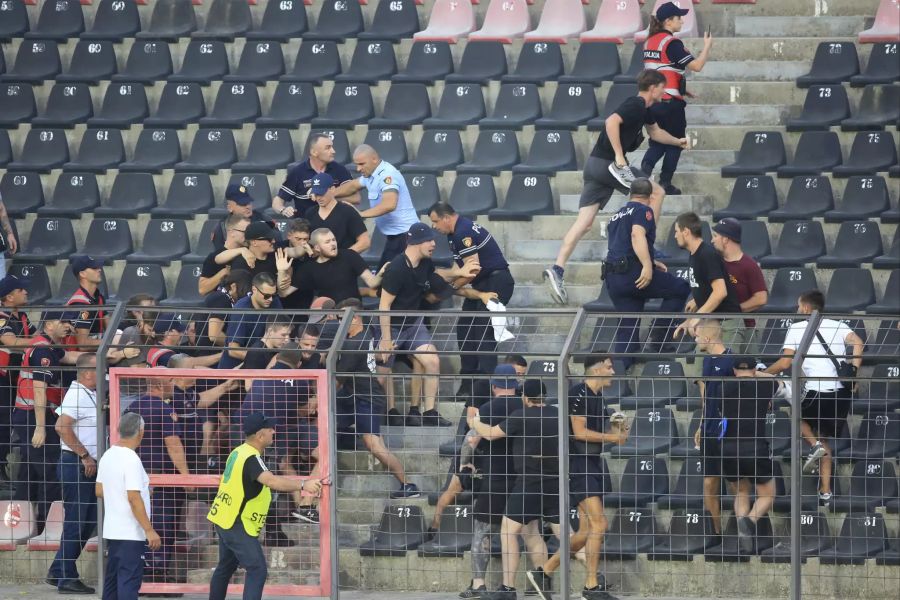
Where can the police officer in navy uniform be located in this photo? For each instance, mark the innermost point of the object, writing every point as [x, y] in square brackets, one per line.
[238, 201]
[15, 335]
[294, 199]
[632, 274]
[471, 243]
[88, 325]
[666, 53]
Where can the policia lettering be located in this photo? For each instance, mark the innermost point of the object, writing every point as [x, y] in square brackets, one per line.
[232, 501]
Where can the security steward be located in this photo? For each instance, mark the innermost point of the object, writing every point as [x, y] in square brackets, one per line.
[666, 53]
[15, 335]
[38, 394]
[632, 274]
[472, 244]
[241, 505]
[88, 325]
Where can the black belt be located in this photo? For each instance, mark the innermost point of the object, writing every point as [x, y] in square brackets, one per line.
[618, 266]
[72, 453]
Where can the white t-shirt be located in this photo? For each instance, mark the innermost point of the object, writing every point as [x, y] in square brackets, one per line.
[80, 404]
[819, 365]
[120, 469]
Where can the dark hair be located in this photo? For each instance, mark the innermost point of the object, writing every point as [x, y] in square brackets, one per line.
[641, 187]
[280, 321]
[594, 360]
[83, 362]
[656, 26]
[649, 78]
[691, 222]
[515, 359]
[240, 278]
[135, 301]
[297, 226]
[313, 138]
[263, 279]
[311, 331]
[349, 303]
[814, 298]
[534, 389]
[441, 209]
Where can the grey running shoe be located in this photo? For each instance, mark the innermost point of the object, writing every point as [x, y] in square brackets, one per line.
[407, 490]
[746, 534]
[623, 175]
[557, 286]
[596, 594]
[812, 459]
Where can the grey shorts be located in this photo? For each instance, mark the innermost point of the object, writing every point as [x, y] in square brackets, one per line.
[599, 184]
[412, 336]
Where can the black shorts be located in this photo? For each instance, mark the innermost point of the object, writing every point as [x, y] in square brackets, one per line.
[711, 451]
[490, 498]
[826, 412]
[533, 497]
[587, 479]
[599, 184]
[747, 460]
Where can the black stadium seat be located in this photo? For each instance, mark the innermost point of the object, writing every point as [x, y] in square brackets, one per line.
[872, 481]
[22, 193]
[170, 20]
[257, 185]
[800, 242]
[889, 260]
[292, 104]
[461, 104]
[573, 105]
[807, 197]
[615, 96]
[862, 536]
[336, 21]
[13, 20]
[260, 62]
[473, 194]
[402, 528]
[787, 285]
[871, 152]
[212, 149]
[148, 61]
[439, 150]
[58, 20]
[164, 240]
[186, 293]
[864, 197]
[406, 104]
[372, 61]
[100, 150]
[203, 246]
[635, 65]
[761, 152]
[427, 62]
[882, 397]
[393, 20]
[481, 62]
[825, 105]
[124, 104]
[92, 62]
[17, 104]
[527, 196]
[454, 534]
[350, 104]
[551, 151]
[631, 532]
[752, 196]
[882, 66]
[51, 238]
[653, 392]
[316, 61]
[850, 289]
[652, 431]
[494, 151]
[878, 107]
[815, 537]
[834, 62]
[517, 105]
[39, 289]
[755, 239]
[235, 105]
[281, 22]
[595, 63]
[132, 194]
[643, 481]
[6, 155]
[204, 61]
[688, 490]
[179, 105]
[685, 447]
[36, 61]
[857, 242]
[67, 105]
[225, 20]
[107, 240]
[189, 194]
[67, 283]
[691, 532]
[538, 63]
[114, 20]
[817, 151]
[890, 300]
[423, 188]
[389, 143]
[141, 279]
[269, 149]
[156, 149]
[73, 195]
[44, 149]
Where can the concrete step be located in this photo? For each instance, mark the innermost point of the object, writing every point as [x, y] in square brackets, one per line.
[415, 462]
[753, 70]
[382, 484]
[824, 27]
[736, 114]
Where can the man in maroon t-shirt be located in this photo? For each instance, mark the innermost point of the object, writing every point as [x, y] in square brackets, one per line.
[747, 280]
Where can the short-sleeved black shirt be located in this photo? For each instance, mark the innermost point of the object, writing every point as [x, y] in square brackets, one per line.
[534, 431]
[253, 468]
[343, 221]
[583, 402]
[410, 284]
[496, 457]
[634, 115]
[295, 189]
[335, 279]
[262, 266]
[258, 356]
[745, 403]
[210, 267]
[705, 267]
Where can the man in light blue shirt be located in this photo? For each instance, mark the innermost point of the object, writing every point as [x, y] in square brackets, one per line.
[389, 201]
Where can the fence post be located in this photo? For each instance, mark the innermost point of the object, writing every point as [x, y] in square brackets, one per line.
[796, 466]
[109, 332]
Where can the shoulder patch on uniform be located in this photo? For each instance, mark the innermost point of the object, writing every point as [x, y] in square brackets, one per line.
[45, 362]
[174, 416]
[387, 180]
[467, 242]
[649, 215]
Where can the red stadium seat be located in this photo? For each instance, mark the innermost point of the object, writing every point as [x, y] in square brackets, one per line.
[448, 21]
[617, 20]
[503, 21]
[689, 29]
[886, 27]
[22, 525]
[560, 19]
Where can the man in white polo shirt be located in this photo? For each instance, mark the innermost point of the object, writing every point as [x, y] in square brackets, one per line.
[826, 401]
[77, 430]
[124, 486]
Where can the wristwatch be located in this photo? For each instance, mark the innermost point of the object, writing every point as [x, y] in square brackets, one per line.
[84, 456]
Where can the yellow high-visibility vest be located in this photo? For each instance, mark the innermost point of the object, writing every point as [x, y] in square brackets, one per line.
[231, 501]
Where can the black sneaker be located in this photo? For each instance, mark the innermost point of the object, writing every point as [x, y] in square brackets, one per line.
[470, 592]
[395, 419]
[540, 583]
[671, 190]
[596, 594]
[307, 515]
[413, 417]
[432, 418]
[504, 593]
[75, 587]
[408, 490]
[746, 534]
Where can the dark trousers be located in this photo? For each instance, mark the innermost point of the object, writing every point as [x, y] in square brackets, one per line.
[626, 297]
[37, 481]
[166, 503]
[124, 569]
[670, 117]
[237, 548]
[475, 334]
[7, 399]
[80, 505]
[393, 245]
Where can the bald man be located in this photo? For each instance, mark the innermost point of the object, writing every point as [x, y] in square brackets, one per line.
[389, 201]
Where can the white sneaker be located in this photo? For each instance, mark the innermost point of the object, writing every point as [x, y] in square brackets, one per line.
[623, 175]
[812, 459]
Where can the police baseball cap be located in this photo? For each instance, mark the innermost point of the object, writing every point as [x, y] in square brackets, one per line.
[11, 283]
[238, 194]
[669, 10]
[419, 233]
[167, 322]
[534, 388]
[321, 183]
[57, 315]
[504, 377]
[257, 421]
[257, 230]
[80, 263]
[745, 363]
[641, 186]
[730, 228]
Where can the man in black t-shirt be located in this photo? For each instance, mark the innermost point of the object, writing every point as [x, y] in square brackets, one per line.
[261, 352]
[533, 432]
[343, 220]
[216, 265]
[261, 243]
[606, 169]
[746, 458]
[711, 286]
[211, 331]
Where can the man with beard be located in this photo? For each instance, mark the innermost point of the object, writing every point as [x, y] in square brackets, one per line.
[88, 325]
[342, 219]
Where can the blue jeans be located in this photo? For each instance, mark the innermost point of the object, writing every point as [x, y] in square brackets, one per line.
[124, 569]
[80, 504]
[237, 548]
[670, 117]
